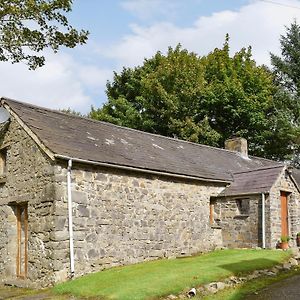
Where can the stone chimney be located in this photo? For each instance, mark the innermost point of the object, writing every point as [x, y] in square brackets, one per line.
[237, 144]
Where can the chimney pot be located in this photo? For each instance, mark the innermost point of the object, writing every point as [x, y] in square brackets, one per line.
[237, 144]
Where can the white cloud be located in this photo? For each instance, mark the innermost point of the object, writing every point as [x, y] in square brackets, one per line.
[67, 81]
[258, 24]
[93, 77]
[61, 83]
[147, 9]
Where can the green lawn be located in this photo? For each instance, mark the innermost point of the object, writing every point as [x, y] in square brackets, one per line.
[162, 277]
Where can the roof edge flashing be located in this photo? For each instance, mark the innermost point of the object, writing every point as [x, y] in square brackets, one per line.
[31, 134]
[154, 172]
[242, 194]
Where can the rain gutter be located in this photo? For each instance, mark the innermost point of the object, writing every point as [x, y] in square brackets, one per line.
[84, 161]
[263, 219]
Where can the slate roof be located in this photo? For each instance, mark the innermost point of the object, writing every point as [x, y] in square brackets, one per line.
[102, 142]
[253, 181]
[296, 175]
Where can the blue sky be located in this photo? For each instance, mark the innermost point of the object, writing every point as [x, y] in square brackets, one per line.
[100, 15]
[124, 32]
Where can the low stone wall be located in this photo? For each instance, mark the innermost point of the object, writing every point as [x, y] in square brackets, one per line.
[127, 217]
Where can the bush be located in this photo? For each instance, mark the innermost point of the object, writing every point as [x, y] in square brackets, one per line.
[284, 238]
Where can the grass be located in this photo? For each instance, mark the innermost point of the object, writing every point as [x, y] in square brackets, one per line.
[159, 278]
[7, 292]
[250, 287]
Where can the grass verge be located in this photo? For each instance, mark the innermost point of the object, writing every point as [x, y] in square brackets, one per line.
[241, 291]
[159, 278]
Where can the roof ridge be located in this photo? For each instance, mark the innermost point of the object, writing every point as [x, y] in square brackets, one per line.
[44, 108]
[267, 159]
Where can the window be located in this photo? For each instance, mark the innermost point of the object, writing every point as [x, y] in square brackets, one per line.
[214, 213]
[243, 206]
[3, 154]
[211, 211]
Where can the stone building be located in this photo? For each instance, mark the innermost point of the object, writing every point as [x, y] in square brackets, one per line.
[79, 195]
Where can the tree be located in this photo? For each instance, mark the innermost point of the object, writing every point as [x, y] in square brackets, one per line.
[201, 99]
[72, 112]
[29, 26]
[162, 96]
[238, 97]
[286, 69]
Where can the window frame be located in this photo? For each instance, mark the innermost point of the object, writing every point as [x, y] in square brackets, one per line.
[3, 161]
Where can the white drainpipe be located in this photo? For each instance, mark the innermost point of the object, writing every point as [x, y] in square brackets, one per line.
[263, 220]
[70, 218]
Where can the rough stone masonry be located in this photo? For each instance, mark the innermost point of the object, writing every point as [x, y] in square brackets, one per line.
[124, 216]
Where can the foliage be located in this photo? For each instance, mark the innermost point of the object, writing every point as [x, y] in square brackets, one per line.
[286, 69]
[72, 112]
[161, 97]
[199, 99]
[284, 239]
[238, 97]
[160, 278]
[29, 26]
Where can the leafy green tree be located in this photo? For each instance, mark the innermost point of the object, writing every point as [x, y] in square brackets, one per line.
[72, 112]
[286, 69]
[238, 97]
[201, 99]
[29, 26]
[162, 96]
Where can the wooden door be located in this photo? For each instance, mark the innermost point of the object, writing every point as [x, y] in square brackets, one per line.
[22, 240]
[284, 214]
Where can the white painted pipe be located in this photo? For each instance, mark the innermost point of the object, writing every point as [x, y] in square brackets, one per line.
[72, 269]
[263, 220]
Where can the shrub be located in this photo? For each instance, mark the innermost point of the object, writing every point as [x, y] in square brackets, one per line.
[284, 238]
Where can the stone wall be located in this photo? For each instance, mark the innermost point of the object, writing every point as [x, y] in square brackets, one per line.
[28, 179]
[242, 227]
[120, 217]
[127, 217]
[285, 184]
[240, 221]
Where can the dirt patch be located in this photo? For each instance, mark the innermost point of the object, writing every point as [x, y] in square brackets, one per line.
[15, 293]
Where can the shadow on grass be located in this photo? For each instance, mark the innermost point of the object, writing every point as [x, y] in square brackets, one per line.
[249, 265]
[284, 285]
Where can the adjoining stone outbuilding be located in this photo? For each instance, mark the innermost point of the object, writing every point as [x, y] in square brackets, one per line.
[79, 195]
